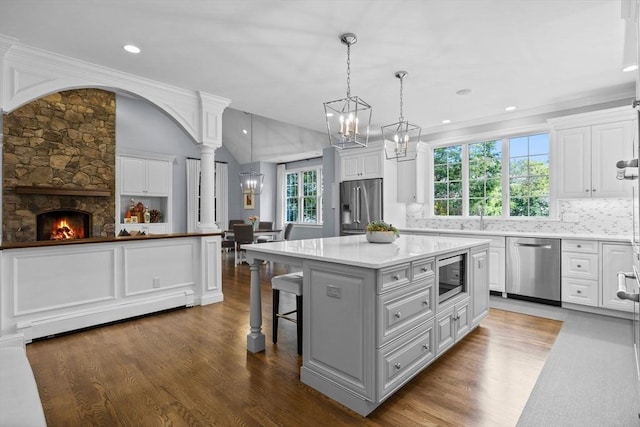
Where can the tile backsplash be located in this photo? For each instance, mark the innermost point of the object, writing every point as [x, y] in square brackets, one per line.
[592, 216]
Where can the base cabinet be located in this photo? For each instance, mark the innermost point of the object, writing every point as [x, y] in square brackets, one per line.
[367, 332]
[616, 258]
[451, 325]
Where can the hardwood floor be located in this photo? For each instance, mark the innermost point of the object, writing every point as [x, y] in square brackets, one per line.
[190, 367]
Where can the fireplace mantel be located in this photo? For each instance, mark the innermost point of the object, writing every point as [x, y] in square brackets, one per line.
[53, 191]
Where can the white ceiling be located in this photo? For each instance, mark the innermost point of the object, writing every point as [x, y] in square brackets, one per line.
[282, 59]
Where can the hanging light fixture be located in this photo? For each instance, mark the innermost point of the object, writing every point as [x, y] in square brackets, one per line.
[251, 181]
[401, 138]
[348, 119]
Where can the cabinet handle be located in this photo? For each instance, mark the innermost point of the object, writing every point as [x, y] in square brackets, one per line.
[579, 291]
[594, 190]
[398, 315]
[425, 347]
[426, 303]
[579, 246]
[587, 190]
[396, 277]
[425, 269]
[398, 366]
[579, 266]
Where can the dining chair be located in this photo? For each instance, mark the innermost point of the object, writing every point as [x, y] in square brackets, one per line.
[292, 283]
[243, 234]
[265, 225]
[228, 242]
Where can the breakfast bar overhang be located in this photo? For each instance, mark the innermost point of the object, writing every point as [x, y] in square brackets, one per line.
[375, 315]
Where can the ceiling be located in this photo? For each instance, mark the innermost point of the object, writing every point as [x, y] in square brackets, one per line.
[281, 59]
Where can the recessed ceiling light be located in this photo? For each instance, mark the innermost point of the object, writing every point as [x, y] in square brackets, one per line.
[131, 48]
[510, 108]
[244, 131]
[463, 92]
[630, 68]
[446, 121]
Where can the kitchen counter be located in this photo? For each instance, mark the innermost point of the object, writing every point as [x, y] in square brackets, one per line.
[475, 232]
[376, 315]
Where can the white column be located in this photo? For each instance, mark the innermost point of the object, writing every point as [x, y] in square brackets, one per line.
[207, 189]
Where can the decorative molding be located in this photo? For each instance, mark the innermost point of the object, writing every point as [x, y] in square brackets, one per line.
[28, 73]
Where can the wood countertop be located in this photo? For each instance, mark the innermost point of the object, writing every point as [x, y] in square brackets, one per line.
[45, 243]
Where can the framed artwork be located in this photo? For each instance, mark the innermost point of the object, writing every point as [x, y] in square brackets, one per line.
[249, 200]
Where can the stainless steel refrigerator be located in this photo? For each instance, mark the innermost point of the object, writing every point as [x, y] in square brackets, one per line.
[360, 203]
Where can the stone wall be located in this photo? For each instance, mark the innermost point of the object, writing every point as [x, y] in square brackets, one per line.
[65, 140]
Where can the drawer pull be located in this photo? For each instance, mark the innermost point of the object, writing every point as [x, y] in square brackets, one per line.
[398, 315]
[425, 269]
[396, 277]
[579, 246]
[425, 347]
[579, 266]
[579, 291]
[397, 366]
[425, 303]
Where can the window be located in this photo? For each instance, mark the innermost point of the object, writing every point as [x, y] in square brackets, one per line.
[304, 196]
[447, 168]
[470, 179]
[529, 175]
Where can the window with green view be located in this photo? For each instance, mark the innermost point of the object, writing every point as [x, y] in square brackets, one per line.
[485, 178]
[529, 175]
[447, 185]
[304, 196]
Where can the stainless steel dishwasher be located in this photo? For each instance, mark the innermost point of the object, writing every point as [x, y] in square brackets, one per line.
[533, 269]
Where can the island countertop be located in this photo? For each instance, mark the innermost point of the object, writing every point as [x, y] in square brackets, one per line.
[357, 251]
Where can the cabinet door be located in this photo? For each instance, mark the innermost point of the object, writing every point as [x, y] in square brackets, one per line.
[480, 283]
[615, 258]
[445, 330]
[349, 168]
[463, 317]
[610, 142]
[497, 270]
[157, 177]
[372, 165]
[573, 168]
[132, 176]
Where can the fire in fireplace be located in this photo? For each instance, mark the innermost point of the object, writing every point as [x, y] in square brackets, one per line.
[63, 224]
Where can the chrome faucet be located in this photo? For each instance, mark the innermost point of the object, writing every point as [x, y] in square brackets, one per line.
[481, 213]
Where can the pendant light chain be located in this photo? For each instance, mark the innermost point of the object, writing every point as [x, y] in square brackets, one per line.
[348, 70]
[401, 95]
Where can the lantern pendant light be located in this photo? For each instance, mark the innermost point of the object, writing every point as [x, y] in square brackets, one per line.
[348, 119]
[251, 181]
[401, 138]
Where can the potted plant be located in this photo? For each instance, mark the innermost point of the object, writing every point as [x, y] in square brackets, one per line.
[381, 232]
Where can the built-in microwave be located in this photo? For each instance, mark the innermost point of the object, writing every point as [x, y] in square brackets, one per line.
[452, 277]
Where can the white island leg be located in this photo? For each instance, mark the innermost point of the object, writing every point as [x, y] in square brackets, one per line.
[255, 338]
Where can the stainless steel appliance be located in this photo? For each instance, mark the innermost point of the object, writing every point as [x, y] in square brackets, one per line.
[533, 269]
[452, 278]
[360, 203]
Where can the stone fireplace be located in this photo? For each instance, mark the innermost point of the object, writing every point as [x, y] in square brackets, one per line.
[59, 154]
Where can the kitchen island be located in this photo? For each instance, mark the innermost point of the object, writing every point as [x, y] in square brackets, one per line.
[375, 315]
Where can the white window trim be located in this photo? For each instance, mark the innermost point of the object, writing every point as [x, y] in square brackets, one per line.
[320, 170]
[504, 137]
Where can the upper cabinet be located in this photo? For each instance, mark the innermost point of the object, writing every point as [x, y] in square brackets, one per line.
[145, 179]
[361, 163]
[412, 180]
[587, 148]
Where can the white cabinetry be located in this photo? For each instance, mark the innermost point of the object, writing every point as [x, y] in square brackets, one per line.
[589, 275]
[144, 178]
[412, 180]
[580, 272]
[452, 324]
[615, 258]
[587, 148]
[361, 163]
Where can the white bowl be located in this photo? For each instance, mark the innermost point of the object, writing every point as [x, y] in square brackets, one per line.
[381, 236]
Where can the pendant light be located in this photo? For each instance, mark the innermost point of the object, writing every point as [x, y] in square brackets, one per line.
[348, 119]
[251, 181]
[401, 138]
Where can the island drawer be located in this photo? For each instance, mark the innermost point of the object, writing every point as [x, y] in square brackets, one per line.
[421, 269]
[403, 309]
[584, 246]
[392, 277]
[401, 360]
